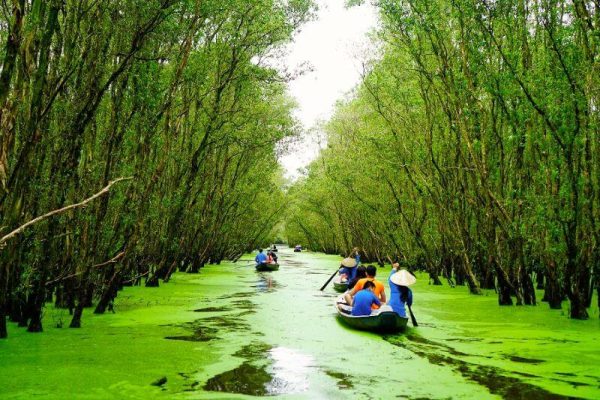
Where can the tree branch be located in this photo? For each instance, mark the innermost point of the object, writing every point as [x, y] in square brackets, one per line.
[83, 203]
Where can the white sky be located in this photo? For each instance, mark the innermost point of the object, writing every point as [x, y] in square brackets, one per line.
[334, 45]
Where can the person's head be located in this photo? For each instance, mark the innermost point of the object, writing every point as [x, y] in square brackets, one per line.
[369, 286]
[260, 250]
[371, 271]
[361, 272]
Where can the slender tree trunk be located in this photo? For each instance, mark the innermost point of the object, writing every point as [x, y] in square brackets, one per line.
[3, 330]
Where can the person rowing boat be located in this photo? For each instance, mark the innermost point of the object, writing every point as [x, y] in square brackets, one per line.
[400, 295]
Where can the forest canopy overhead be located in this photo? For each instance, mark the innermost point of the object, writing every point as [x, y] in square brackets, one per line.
[172, 93]
[470, 149]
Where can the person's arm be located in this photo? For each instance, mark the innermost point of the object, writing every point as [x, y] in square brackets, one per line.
[376, 300]
[383, 298]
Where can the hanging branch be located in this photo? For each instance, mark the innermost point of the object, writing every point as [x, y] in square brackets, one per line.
[83, 203]
[111, 261]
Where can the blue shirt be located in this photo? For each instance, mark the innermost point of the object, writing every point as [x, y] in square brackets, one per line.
[261, 258]
[350, 272]
[363, 300]
[398, 305]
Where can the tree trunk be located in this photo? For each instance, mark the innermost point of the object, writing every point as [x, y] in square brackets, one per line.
[3, 330]
[504, 287]
[435, 279]
[552, 291]
[539, 277]
[76, 320]
[109, 293]
[527, 289]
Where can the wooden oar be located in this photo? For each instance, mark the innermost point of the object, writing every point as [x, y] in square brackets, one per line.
[412, 316]
[329, 280]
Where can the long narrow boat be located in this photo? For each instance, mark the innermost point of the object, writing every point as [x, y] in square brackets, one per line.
[267, 267]
[338, 285]
[382, 320]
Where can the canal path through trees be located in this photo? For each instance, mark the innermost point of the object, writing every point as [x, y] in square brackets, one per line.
[230, 332]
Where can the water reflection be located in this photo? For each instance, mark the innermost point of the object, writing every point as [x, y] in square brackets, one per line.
[283, 371]
[266, 283]
[290, 371]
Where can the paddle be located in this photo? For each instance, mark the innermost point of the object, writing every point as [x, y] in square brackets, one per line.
[412, 316]
[329, 280]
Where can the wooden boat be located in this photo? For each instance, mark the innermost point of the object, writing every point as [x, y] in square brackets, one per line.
[339, 286]
[267, 267]
[382, 320]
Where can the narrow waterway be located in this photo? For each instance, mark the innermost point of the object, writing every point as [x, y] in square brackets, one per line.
[230, 332]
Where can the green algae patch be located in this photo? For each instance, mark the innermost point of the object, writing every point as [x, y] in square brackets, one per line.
[492, 378]
[152, 337]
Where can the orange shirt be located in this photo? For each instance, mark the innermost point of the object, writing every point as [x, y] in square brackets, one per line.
[379, 288]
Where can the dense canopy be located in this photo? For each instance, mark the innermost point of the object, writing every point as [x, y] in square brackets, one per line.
[174, 94]
[470, 149]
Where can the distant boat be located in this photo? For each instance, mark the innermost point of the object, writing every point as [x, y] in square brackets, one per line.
[267, 267]
[338, 285]
[382, 320]
[297, 248]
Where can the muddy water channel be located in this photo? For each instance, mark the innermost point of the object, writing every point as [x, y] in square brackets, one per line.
[230, 332]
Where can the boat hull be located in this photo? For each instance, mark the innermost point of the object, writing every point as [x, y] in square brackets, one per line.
[339, 286]
[267, 267]
[383, 321]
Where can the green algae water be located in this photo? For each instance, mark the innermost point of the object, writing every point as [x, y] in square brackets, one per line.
[232, 333]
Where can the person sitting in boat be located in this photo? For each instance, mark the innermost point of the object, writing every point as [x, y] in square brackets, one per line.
[361, 272]
[347, 270]
[271, 258]
[364, 300]
[400, 294]
[261, 258]
[379, 288]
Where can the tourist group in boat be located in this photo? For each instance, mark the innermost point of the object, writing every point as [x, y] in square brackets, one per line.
[365, 303]
[365, 295]
[267, 261]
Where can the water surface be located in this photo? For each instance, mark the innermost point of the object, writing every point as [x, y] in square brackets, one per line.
[230, 332]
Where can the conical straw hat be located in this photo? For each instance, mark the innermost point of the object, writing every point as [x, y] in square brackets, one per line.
[349, 262]
[403, 278]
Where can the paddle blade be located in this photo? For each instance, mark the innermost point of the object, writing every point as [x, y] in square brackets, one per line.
[412, 317]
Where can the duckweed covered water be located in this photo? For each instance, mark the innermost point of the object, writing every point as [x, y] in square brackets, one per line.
[230, 333]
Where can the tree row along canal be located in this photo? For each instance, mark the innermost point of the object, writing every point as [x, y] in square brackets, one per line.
[230, 332]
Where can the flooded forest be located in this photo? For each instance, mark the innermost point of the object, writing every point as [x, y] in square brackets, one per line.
[141, 173]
